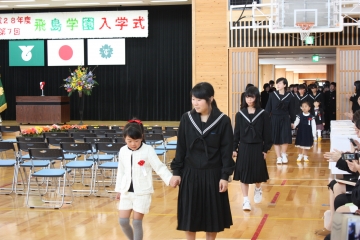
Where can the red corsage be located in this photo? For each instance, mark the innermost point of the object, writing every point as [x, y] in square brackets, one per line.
[309, 119]
[135, 121]
[141, 164]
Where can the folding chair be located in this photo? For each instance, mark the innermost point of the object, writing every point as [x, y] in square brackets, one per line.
[118, 129]
[30, 139]
[85, 149]
[98, 157]
[169, 133]
[6, 162]
[23, 147]
[97, 127]
[9, 129]
[119, 140]
[114, 135]
[110, 149]
[55, 134]
[52, 195]
[55, 141]
[102, 132]
[154, 129]
[79, 136]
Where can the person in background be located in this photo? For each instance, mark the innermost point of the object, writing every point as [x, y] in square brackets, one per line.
[318, 113]
[252, 140]
[306, 131]
[315, 95]
[242, 94]
[282, 109]
[265, 95]
[272, 88]
[355, 97]
[330, 106]
[295, 89]
[300, 97]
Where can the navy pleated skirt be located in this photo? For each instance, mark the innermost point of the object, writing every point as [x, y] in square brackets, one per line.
[250, 164]
[201, 207]
[281, 129]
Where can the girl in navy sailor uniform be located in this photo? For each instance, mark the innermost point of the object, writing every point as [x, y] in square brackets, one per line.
[203, 163]
[318, 113]
[306, 133]
[252, 140]
[281, 107]
[315, 95]
[300, 97]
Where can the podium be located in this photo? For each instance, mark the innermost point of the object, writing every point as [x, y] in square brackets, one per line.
[42, 109]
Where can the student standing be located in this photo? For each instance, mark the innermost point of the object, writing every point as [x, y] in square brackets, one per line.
[300, 97]
[265, 95]
[318, 113]
[330, 106]
[252, 140]
[203, 163]
[306, 132]
[281, 108]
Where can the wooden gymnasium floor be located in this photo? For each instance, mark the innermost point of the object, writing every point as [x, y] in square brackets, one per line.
[294, 200]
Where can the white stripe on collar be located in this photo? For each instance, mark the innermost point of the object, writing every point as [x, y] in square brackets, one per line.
[302, 97]
[283, 97]
[257, 115]
[315, 96]
[206, 129]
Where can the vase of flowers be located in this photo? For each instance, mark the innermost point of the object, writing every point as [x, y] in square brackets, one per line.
[81, 80]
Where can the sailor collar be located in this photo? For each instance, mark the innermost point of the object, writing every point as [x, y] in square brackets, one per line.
[245, 114]
[301, 98]
[281, 99]
[214, 118]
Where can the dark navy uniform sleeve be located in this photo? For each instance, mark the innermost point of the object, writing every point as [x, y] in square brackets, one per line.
[236, 132]
[267, 133]
[227, 138]
[177, 163]
[268, 107]
[292, 110]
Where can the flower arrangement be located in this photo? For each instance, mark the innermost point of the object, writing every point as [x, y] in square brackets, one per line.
[38, 131]
[81, 80]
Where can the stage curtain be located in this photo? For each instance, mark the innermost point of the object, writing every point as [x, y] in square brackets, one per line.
[154, 84]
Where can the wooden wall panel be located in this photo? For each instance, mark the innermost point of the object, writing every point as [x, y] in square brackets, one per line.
[330, 73]
[289, 75]
[321, 76]
[243, 69]
[347, 72]
[266, 72]
[210, 47]
[279, 72]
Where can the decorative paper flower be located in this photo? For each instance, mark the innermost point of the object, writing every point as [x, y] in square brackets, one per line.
[81, 79]
[141, 163]
[38, 131]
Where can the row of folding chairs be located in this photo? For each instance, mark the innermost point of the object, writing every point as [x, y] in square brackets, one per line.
[70, 164]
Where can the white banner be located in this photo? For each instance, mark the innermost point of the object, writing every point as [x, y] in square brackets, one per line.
[65, 25]
[106, 51]
[65, 52]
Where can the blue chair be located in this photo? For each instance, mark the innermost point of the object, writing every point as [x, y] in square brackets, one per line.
[8, 163]
[87, 168]
[51, 190]
[9, 129]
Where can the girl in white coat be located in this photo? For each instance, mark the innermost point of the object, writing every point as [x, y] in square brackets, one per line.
[134, 179]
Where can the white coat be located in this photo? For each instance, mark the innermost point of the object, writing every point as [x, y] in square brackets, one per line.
[142, 184]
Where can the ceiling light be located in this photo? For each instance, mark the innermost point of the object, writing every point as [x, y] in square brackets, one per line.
[114, 3]
[8, 1]
[33, 5]
[77, 4]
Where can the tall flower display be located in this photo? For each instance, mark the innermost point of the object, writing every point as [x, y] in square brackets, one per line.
[81, 79]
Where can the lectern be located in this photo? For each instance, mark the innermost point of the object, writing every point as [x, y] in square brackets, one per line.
[42, 109]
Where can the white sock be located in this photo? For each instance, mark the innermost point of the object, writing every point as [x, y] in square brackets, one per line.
[246, 199]
[305, 157]
[319, 133]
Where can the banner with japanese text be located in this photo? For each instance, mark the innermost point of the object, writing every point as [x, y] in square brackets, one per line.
[65, 25]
